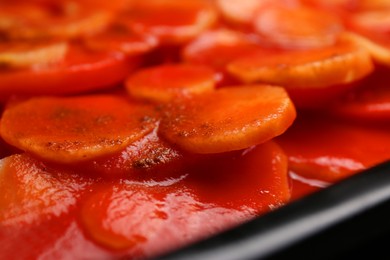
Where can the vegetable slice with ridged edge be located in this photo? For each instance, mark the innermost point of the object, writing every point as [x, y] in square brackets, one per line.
[228, 119]
[72, 129]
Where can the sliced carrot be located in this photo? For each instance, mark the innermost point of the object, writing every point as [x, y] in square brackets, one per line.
[32, 192]
[80, 71]
[371, 21]
[32, 54]
[171, 21]
[166, 82]
[228, 119]
[322, 148]
[311, 28]
[377, 46]
[68, 20]
[149, 157]
[68, 130]
[340, 64]
[240, 12]
[217, 48]
[370, 102]
[168, 214]
[119, 38]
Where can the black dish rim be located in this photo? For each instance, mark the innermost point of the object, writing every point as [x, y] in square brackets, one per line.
[330, 223]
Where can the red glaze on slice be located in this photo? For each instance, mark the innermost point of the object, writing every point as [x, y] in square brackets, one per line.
[145, 219]
[329, 150]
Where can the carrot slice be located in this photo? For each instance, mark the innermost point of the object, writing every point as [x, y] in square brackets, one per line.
[32, 54]
[68, 130]
[311, 28]
[240, 12]
[377, 21]
[171, 21]
[228, 119]
[377, 46]
[322, 148]
[32, 192]
[166, 82]
[119, 38]
[168, 214]
[217, 48]
[149, 156]
[340, 64]
[80, 71]
[63, 19]
[370, 102]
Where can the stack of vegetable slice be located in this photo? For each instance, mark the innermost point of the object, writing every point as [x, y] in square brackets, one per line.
[131, 128]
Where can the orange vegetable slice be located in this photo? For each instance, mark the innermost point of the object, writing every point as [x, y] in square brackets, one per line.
[377, 46]
[377, 21]
[166, 82]
[168, 214]
[68, 20]
[32, 54]
[228, 119]
[32, 192]
[370, 102]
[119, 38]
[81, 70]
[68, 130]
[240, 12]
[149, 157]
[340, 64]
[305, 28]
[326, 149]
[171, 21]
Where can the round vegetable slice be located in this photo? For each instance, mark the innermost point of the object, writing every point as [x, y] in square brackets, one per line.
[305, 28]
[228, 119]
[240, 12]
[32, 192]
[145, 219]
[68, 130]
[166, 82]
[149, 156]
[370, 102]
[63, 19]
[80, 71]
[217, 48]
[119, 38]
[171, 21]
[322, 148]
[340, 64]
[32, 54]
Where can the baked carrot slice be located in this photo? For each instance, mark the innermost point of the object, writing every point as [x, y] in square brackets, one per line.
[149, 157]
[216, 48]
[163, 83]
[68, 130]
[326, 149]
[312, 77]
[33, 54]
[228, 119]
[81, 70]
[119, 38]
[370, 102]
[145, 219]
[339, 64]
[311, 28]
[65, 20]
[378, 46]
[374, 21]
[240, 12]
[171, 21]
[32, 192]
